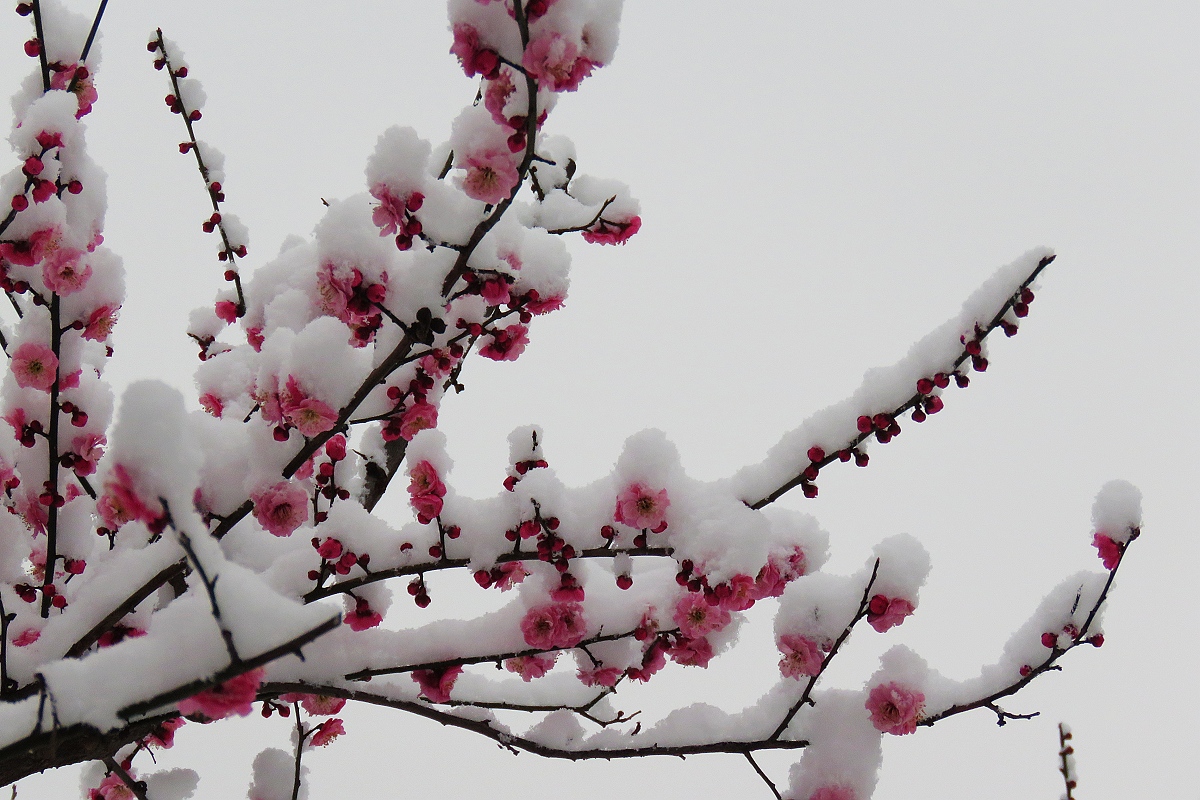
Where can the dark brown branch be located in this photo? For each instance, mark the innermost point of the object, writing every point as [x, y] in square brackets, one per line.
[806, 697]
[41, 38]
[363, 674]
[73, 744]
[1065, 752]
[763, 775]
[342, 587]
[135, 710]
[588, 224]
[127, 605]
[912, 402]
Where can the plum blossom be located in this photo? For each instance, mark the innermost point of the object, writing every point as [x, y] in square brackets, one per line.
[436, 684]
[281, 508]
[88, 449]
[362, 616]
[1108, 550]
[310, 416]
[801, 656]
[496, 95]
[164, 735]
[833, 793]
[601, 676]
[326, 732]
[507, 343]
[121, 503]
[474, 57]
[426, 490]
[112, 788]
[26, 637]
[34, 366]
[689, 652]
[696, 618]
[212, 404]
[491, 176]
[555, 62]
[316, 704]
[531, 667]
[62, 271]
[606, 232]
[554, 626]
[28, 252]
[885, 613]
[100, 323]
[418, 417]
[511, 573]
[85, 88]
[895, 708]
[639, 506]
[234, 696]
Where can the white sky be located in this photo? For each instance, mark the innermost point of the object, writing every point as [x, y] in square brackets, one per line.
[821, 184]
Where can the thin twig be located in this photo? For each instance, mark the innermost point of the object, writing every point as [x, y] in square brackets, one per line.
[763, 775]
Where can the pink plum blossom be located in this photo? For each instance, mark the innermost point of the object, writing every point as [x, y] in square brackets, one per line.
[28, 252]
[436, 684]
[121, 502]
[310, 416]
[476, 59]
[326, 732]
[511, 573]
[741, 595]
[537, 305]
[1108, 549]
[507, 343]
[606, 232]
[63, 271]
[363, 616]
[691, 652]
[281, 508]
[554, 626]
[212, 404]
[491, 176]
[601, 676]
[418, 417]
[88, 450]
[895, 708]
[555, 62]
[696, 618]
[427, 506]
[26, 637]
[85, 89]
[234, 696]
[164, 735]
[639, 506]
[531, 667]
[112, 788]
[833, 793]
[801, 656]
[100, 323]
[34, 366]
[316, 704]
[496, 95]
[885, 613]
[388, 216]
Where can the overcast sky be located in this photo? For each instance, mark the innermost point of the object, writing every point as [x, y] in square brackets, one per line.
[821, 184]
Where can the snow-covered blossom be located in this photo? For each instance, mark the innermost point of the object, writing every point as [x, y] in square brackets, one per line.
[64, 272]
[639, 506]
[506, 344]
[1108, 550]
[554, 626]
[531, 667]
[607, 232]
[833, 793]
[418, 417]
[491, 176]
[436, 684]
[885, 613]
[895, 708]
[234, 696]
[281, 508]
[327, 731]
[476, 59]
[555, 62]
[696, 618]
[802, 656]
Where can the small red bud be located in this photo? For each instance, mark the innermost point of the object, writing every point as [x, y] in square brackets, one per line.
[195, 115]
[20, 202]
[483, 578]
[1097, 640]
[33, 48]
[1021, 309]
[1049, 640]
[924, 386]
[860, 458]
[810, 490]
[864, 424]
[816, 453]
[74, 187]
[422, 600]
[962, 381]
[624, 582]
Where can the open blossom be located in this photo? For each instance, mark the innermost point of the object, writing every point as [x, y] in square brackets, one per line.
[310, 416]
[511, 573]
[696, 618]
[388, 216]
[85, 89]
[87, 449]
[554, 626]
[281, 508]
[436, 684]
[1109, 550]
[605, 232]
[895, 708]
[601, 676]
[639, 506]
[64, 272]
[121, 503]
[741, 593]
[362, 616]
[164, 735]
[316, 704]
[691, 652]
[234, 696]
[491, 176]
[555, 62]
[496, 94]
[28, 252]
[100, 323]
[34, 366]
[418, 417]
[531, 667]
[212, 404]
[326, 732]
[801, 656]
[426, 491]
[506, 344]
[885, 613]
[112, 788]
